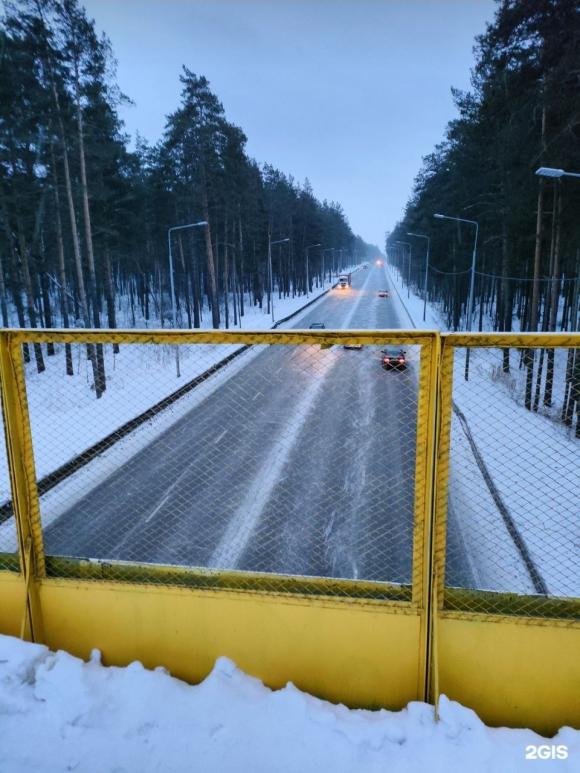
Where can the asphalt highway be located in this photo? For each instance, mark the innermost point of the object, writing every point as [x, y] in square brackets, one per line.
[301, 463]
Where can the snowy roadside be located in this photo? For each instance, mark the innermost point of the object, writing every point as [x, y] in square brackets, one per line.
[86, 717]
[66, 418]
[522, 450]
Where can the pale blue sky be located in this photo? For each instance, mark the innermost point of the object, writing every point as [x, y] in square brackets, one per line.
[349, 93]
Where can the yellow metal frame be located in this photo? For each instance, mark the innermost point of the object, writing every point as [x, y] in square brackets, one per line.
[425, 445]
[513, 340]
[426, 406]
[493, 605]
[364, 643]
[228, 337]
[23, 483]
[391, 619]
[515, 660]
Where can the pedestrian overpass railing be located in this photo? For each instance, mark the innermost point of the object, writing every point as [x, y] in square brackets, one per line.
[378, 516]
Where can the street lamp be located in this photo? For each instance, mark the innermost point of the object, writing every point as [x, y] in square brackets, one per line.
[422, 236]
[270, 243]
[548, 171]
[471, 299]
[310, 247]
[408, 244]
[172, 282]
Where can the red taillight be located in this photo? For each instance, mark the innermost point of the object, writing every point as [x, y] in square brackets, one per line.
[401, 359]
[386, 359]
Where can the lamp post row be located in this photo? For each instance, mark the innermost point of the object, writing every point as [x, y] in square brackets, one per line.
[543, 171]
[270, 273]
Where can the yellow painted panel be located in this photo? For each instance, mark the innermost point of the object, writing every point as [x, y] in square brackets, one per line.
[249, 337]
[500, 340]
[363, 655]
[12, 595]
[512, 673]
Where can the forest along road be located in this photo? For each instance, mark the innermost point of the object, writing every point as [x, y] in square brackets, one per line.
[301, 463]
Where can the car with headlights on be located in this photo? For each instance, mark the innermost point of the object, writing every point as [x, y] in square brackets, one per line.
[393, 358]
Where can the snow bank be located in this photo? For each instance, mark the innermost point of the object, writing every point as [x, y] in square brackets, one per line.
[527, 455]
[58, 713]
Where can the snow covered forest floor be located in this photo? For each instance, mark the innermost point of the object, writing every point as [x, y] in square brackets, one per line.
[86, 717]
[66, 419]
[533, 460]
[137, 378]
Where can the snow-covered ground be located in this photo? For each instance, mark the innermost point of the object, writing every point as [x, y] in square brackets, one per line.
[58, 713]
[137, 378]
[66, 418]
[532, 458]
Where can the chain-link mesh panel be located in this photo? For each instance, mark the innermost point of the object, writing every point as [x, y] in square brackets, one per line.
[514, 477]
[295, 461]
[8, 544]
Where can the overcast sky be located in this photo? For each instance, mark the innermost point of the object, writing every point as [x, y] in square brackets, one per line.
[349, 93]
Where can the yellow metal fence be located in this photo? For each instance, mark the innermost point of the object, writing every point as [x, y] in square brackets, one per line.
[378, 516]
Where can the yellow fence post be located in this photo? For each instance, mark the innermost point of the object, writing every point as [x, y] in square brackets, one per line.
[426, 415]
[439, 528]
[23, 481]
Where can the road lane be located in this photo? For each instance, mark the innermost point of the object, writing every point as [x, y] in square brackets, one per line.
[317, 445]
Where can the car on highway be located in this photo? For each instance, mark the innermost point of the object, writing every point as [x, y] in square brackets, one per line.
[352, 346]
[317, 326]
[393, 358]
[384, 294]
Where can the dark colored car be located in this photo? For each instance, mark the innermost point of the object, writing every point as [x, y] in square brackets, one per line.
[393, 358]
[352, 346]
[317, 326]
[384, 294]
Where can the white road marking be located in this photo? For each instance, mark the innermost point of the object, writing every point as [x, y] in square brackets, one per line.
[217, 440]
[167, 494]
[244, 521]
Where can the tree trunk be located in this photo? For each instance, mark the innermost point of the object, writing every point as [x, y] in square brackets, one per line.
[533, 315]
[110, 294]
[100, 383]
[82, 297]
[183, 281]
[215, 312]
[46, 308]
[226, 273]
[554, 297]
[241, 243]
[61, 264]
[3, 304]
[27, 283]
[14, 275]
[195, 286]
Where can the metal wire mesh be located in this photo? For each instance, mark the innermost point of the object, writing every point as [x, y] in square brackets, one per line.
[514, 479]
[8, 545]
[287, 461]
